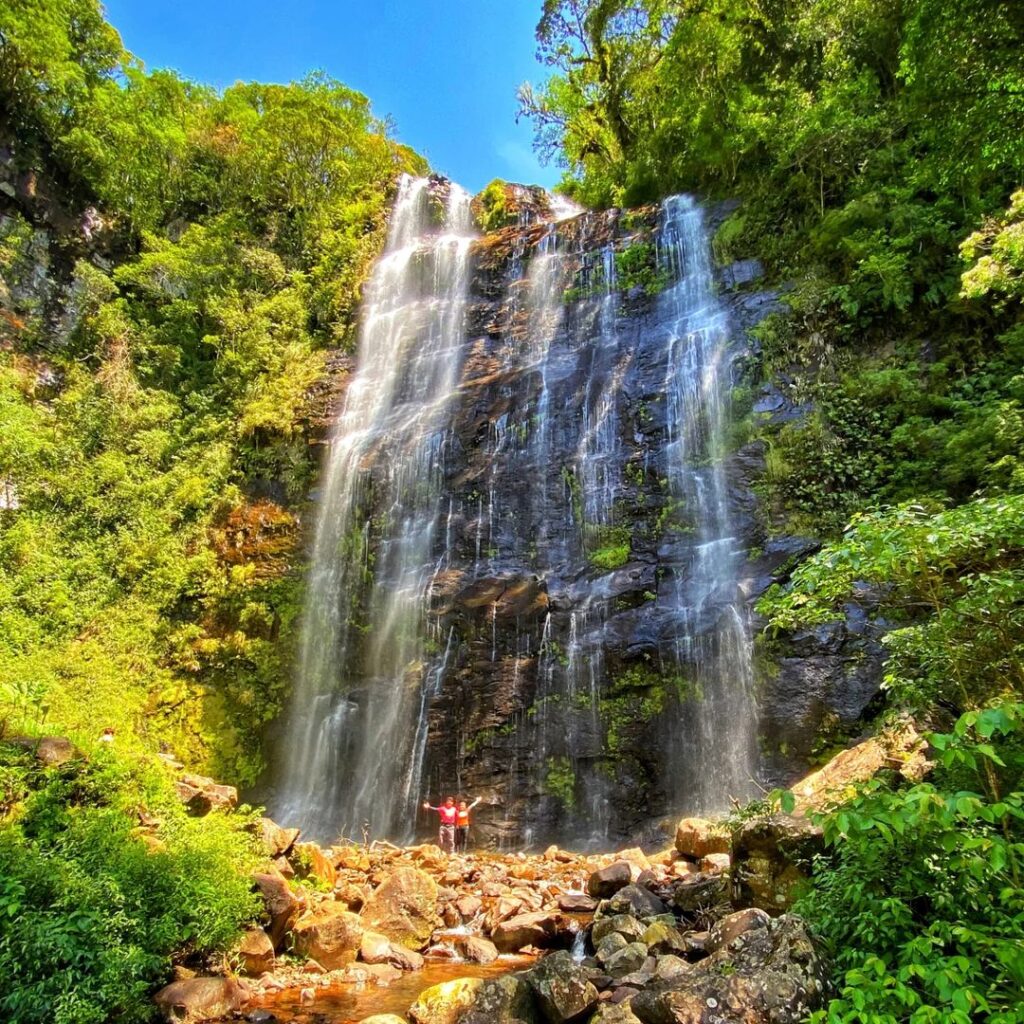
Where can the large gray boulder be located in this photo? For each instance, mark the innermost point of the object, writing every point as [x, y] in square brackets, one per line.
[762, 971]
[562, 987]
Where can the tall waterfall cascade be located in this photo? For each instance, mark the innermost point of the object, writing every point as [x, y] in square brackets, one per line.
[526, 580]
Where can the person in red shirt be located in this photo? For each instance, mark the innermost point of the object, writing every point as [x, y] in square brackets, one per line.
[448, 813]
[462, 825]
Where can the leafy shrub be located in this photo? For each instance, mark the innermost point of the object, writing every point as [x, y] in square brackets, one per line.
[90, 915]
[920, 895]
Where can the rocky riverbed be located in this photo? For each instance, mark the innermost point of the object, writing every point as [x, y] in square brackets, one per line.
[696, 932]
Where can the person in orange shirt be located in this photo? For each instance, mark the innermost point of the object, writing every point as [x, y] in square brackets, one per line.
[448, 813]
[462, 825]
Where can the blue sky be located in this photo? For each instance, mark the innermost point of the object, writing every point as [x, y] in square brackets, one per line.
[446, 71]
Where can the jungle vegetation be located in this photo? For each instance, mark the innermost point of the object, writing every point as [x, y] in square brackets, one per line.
[877, 151]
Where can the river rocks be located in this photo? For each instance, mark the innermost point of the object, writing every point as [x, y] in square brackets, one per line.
[281, 905]
[635, 901]
[445, 1003]
[329, 934]
[626, 960]
[404, 907]
[770, 973]
[505, 1000]
[277, 841]
[477, 950]
[564, 991]
[607, 881]
[254, 952]
[202, 795]
[700, 894]
[576, 903]
[200, 999]
[663, 937]
[697, 837]
[313, 862]
[541, 929]
[622, 924]
[772, 858]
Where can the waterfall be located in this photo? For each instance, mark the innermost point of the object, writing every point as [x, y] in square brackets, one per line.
[364, 677]
[714, 754]
[525, 570]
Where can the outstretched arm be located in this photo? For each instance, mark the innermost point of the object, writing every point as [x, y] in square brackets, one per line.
[427, 807]
[475, 802]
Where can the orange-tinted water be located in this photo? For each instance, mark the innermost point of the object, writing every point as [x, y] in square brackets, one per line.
[344, 1004]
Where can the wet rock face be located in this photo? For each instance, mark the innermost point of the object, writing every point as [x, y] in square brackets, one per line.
[561, 684]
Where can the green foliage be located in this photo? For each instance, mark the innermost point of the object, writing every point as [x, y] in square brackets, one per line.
[560, 780]
[952, 580]
[142, 586]
[492, 208]
[920, 894]
[636, 266]
[607, 546]
[90, 915]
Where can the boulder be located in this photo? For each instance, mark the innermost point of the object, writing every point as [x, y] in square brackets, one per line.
[772, 858]
[403, 907]
[51, 751]
[697, 837]
[770, 973]
[635, 901]
[383, 1018]
[740, 925]
[562, 987]
[623, 924]
[329, 934]
[660, 937]
[614, 1013]
[670, 967]
[199, 999]
[281, 905]
[637, 861]
[627, 960]
[542, 929]
[254, 952]
[313, 862]
[715, 862]
[468, 906]
[202, 795]
[476, 949]
[576, 903]
[445, 1003]
[609, 946]
[276, 841]
[374, 948]
[901, 747]
[607, 881]
[505, 1000]
[700, 894]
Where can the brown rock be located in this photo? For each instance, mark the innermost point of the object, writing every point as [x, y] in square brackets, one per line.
[281, 905]
[329, 934]
[202, 795]
[715, 862]
[199, 999]
[255, 952]
[312, 862]
[504, 1000]
[564, 991]
[383, 1018]
[697, 837]
[445, 1003]
[477, 950]
[540, 928]
[576, 903]
[51, 751]
[277, 841]
[403, 907]
[469, 906]
[607, 881]
[724, 932]
[351, 858]
[374, 948]
[772, 858]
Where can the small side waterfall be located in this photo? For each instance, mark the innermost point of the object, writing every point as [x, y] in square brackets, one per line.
[719, 758]
[526, 568]
[364, 677]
